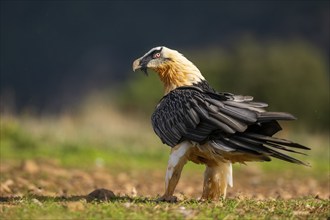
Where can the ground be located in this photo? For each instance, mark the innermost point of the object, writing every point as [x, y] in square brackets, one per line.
[49, 178]
[34, 184]
[49, 166]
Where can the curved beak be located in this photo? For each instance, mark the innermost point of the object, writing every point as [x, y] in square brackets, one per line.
[136, 64]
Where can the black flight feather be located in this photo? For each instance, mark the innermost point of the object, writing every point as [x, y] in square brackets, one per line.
[237, 123]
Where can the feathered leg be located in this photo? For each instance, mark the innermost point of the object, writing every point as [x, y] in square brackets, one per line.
[178, 158]
[216, 179]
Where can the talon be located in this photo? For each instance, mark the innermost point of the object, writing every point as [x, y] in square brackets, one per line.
[170, 199]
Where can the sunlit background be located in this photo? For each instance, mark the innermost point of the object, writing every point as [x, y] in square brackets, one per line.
[68, 92]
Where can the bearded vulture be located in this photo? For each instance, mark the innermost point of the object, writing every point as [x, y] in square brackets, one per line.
[207, 127]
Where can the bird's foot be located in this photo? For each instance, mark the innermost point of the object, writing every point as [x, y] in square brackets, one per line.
[170, 199]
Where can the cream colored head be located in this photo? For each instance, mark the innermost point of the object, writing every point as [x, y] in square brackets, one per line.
[172, 67]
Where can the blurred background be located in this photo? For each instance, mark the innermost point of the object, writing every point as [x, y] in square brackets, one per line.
[67, 82]
[55, 53]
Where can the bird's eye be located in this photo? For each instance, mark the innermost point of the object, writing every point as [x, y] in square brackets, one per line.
[156, 55]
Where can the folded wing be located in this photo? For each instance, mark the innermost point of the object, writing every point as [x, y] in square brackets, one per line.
[233, 122]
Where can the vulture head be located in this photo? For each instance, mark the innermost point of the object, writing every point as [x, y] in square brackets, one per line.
[173, 68]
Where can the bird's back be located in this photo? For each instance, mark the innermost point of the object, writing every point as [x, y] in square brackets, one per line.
[234, 124]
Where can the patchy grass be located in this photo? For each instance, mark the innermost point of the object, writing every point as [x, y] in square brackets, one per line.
[146, 208]
[48, 165]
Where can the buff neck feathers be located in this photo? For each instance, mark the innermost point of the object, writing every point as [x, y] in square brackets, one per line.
[178, 71]
[173, 68]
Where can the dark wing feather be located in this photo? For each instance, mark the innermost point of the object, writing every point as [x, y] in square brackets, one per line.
[235, 122]
[188, 113]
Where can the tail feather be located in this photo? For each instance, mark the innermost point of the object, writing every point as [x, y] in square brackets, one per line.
[287, 158]
[277, 146]
[262, 143]
[275, 140]
[246, 146]
[268, 116]
[266, 146]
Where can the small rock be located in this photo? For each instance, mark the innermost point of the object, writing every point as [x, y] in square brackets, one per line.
[100, 195]
[36, 201]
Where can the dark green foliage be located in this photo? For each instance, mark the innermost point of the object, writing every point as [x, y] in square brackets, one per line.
[291, 76]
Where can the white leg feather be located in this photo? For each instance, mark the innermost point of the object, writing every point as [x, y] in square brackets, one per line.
[178, 158]
[230, 174]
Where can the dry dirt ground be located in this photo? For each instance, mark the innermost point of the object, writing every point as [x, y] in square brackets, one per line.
[47, 178]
